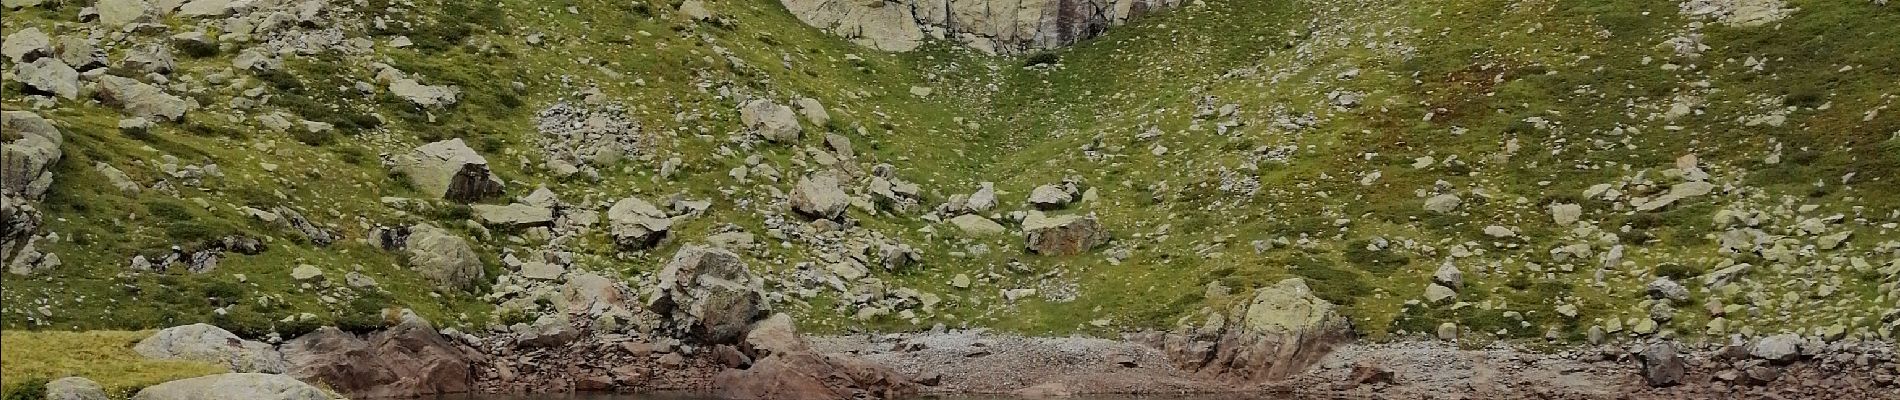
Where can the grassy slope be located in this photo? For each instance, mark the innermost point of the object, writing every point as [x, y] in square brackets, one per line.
[1480, 66]
[33, 358]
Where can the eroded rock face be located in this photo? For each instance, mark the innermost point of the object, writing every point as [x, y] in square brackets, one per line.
[990, 26]
[410, 359]
[250, 386]
[1280, 332]
[787, 368]
[203, 342]
[706, 294]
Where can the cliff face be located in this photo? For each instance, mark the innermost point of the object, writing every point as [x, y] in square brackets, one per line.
[991, 26]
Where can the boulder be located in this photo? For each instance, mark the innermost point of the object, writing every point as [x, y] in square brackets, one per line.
[1282, 330]
[977, 225]
[248, 386]
[203, 342]
[1661, 365]
[636, 224]
[50, 75]
[551, 330]
[1566, 214]
[513, 216]
[773, 121]
[450, 170]
[1784, 348]
[27, 165]
[1449, 276]
[75, 388]
[706, 294]
[1443, 204]
[984, 199]
[1666, 289]
[818, 196]
[138, 99]
[1049, 197]
[444, 258]
[785, 367]
[410, 359]
[814, 111]
[26, 45]
[117, 13]
[1063, 235]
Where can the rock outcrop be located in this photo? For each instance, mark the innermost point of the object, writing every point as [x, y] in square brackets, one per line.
[1280, 332]
[249, 386]
[410, 359]
[203, 342]
[787, 368]
[74, 388]
[819, 196]
[636, 224]
[450, 170]
[990, 26]
[706, 294]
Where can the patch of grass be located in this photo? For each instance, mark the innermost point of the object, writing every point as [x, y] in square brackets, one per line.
[104, 356]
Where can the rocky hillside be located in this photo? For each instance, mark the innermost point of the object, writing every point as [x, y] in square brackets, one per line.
[1534, 171]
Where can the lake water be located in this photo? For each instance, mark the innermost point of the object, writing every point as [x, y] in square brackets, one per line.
[698, 396]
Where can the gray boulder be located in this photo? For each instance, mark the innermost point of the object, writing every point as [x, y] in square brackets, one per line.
[773, 121]
[50, 75]
[1783, 348]
[1662, 366]
[450, 170]
[1443, 204]
[141, 100]
[27, 168]
[443, 257]
[976, 225]
[819, 196]
[1449, 276]
[203, 342]
[248, 386]
[117, 13]
[636, 224]
[996, 28]
[1049, 197]
[26, 44]
[1063, 235]
[74, 388]
[707, 294]
[1666, 289]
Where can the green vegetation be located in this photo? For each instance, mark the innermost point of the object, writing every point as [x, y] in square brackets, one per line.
[30, 359]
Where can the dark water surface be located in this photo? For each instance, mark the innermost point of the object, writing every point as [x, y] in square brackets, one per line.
[701, 396]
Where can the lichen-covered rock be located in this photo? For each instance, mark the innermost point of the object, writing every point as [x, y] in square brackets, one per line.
[1063, 235]
[51, 75]
[707, 295]
[203, 342]
[773, 121]
[450, 170]
[1279, 332]
[444, 258]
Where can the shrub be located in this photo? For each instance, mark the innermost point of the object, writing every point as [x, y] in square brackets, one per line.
[1042, 58]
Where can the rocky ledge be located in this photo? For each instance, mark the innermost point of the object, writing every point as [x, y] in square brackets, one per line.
[990, 26]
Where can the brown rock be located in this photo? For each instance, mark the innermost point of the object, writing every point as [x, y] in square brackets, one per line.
[408, 360]
[1063, 235]
[1367, 373]
[786, 368]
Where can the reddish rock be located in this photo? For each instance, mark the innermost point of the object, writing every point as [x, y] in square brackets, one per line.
[787, 369]
[410, 359]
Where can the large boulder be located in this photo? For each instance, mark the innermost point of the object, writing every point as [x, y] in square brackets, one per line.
[139, 99]
[996, 28]
[75, 388]
[410, 359]
[1662, 366]
[1279, 332]
[203, 342]
[26, 45]
[514, 216]
[451, 170]
[1063, 235]
[773, 121]
[787, 368]
[26, 164]
[819, 196]
[976, 225]
[49, 74]
[443, 257]
[1784, 348]
[117, 13]
[1049, 197]
[636, 224]
[706, 294]
[248, 386]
